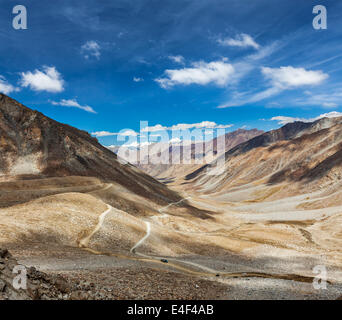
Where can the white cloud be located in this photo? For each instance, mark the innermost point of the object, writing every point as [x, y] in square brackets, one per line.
[179, 141]
[175, 141]
[91, 49]
[202, 73]
[177, 59]
[125, 133]
[329, 105]
[128, 133]
[157, 127]
[283, 78]
[49, 80]
[137, 79]
[5, 87]
[332, 114]
[103, 133]
[289, 77]
[186, 126]
[74, 104]
[242, 40]
[136, 144]
[201, 125]
[284, 120]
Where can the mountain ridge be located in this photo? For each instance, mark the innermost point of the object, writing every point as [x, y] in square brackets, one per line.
[32, 144]
[295, 159]
[286, 133]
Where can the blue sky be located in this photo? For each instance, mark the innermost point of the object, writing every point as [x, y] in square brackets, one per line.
[107, 65]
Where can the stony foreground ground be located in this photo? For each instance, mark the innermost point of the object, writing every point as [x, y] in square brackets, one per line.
[119, 283]
[39, 285]
[107, 278]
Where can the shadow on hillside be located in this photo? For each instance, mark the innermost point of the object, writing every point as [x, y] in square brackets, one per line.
[306, 174]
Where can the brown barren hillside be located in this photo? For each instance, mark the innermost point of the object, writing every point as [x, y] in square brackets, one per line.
[69, 208]
[303, 156]
[32, 144]
[176, 161]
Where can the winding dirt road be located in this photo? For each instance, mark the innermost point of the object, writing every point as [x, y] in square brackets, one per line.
[177, 263]
[148, 232]
[83, 243]
[172, 204]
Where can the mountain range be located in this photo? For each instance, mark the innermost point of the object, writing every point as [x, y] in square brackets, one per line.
[70, 207]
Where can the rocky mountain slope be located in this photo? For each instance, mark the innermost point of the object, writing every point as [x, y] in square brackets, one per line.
[176, 160]
[32, 144]
[68, 207]
[302, 157]
[39, 286]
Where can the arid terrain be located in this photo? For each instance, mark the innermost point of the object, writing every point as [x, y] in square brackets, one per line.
[109, 230]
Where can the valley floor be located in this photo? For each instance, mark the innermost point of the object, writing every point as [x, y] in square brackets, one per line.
[107, 277]
[114, 241]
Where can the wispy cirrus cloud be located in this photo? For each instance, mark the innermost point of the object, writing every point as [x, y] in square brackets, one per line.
[329, 105]
[137, 144]
[283, 78]
[201, 73]
[282, 120]
[103, 133]
[156, 128]
[73, 104]
[327, 99]
[91, 49]
[6, 87]
[242, 40]
[138, 79]
[200, 125]
[48, 79]
[240, 99]
[125, 132]
[177, 59]
[186, 126]
[264, 51]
